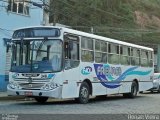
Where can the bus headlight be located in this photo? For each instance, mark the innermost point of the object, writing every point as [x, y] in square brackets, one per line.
[50, 86]
[53, 85]
[46, 86]
[13, 85]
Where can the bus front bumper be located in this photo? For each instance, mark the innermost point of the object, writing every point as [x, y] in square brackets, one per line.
[55, 93]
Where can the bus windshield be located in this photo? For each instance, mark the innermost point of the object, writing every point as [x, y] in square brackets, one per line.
[36, 56]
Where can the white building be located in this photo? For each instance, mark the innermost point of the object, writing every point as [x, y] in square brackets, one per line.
[15, 14]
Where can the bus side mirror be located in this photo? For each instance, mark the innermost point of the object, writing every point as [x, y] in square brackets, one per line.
[7, 43]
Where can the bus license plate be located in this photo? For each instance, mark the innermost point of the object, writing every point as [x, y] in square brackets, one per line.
[28, 93]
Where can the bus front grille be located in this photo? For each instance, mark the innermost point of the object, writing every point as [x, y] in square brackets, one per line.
[33, 80]
[31, 85]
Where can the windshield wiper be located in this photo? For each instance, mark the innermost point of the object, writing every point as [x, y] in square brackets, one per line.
[33, 44]
[40, 46]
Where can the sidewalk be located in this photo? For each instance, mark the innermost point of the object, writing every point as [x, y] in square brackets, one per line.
[5, 96]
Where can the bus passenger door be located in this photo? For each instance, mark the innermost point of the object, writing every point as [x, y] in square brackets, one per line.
[71, 66]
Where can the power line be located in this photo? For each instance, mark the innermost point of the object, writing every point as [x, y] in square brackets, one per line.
[108, 27]
[73, 10]
[5, 29]
[70, 15]
[119, 30]
[6, 33]
[106, 12]
[156, 31]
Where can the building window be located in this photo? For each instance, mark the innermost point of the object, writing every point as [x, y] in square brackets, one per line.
[19, 6]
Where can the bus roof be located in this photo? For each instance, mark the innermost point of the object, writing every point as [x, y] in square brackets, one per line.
[76, 32]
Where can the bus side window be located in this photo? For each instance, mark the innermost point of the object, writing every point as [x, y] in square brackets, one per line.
[113, 55]
[135, 57]
[87, 52]
[72, 50]
[75, 51]
[125, 55]
[100, 51]
[144, 58]
[138, 60]
[150, 59]
[133, 62]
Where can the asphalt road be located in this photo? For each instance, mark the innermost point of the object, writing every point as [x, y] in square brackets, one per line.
[146, 103]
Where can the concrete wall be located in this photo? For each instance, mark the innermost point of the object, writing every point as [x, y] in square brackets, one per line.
[8, 22]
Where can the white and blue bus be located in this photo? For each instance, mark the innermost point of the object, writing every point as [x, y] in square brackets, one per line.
[57, 62]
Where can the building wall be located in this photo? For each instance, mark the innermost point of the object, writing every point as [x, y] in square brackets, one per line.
[2, 62]
[8, 22]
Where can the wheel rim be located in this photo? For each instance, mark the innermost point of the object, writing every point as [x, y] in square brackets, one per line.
[84, 93]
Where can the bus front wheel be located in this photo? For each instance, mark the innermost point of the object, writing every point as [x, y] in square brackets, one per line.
[41, 99]
[83, 93]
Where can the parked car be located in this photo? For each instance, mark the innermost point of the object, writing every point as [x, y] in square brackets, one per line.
[156, 83]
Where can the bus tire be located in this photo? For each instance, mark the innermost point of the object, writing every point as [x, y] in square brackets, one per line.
[158, 89]
[141, 92]
[41, 99]
[83, 93]
[152, 91]
[133, 92]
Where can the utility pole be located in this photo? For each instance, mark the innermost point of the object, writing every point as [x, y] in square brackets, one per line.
[46, 4]
[45, 7]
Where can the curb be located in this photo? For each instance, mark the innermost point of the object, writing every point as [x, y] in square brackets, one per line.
[3, 98]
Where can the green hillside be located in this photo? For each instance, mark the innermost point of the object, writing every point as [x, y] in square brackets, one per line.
[136, 21]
